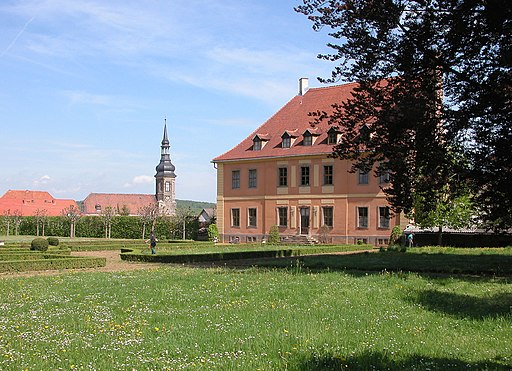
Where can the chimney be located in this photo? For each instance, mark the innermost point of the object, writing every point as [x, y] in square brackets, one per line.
[303, 85]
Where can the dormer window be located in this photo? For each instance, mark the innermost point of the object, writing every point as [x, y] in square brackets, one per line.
[287, 141]
[97, 207]
[332, 136]
[308, 139]
[259, 141]
[256, 144]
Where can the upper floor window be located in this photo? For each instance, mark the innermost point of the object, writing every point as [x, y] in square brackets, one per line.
[282, 213]
[363, 177]
[235, 179]
[328, 174]
[327, 212]
[283, 177]
[304, 175]
[308, 139]
[256, 144]
[167, 186]
[384, 217]
[384, 177]
[362, 217]
[251, 217]
[252, 178]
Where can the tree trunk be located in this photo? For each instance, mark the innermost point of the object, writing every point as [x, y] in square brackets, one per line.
[440, 236]
[37, 229]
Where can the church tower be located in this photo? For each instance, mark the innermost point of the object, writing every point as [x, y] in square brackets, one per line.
[165, 179]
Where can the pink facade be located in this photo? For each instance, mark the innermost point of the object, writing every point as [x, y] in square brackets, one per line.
[282, 175]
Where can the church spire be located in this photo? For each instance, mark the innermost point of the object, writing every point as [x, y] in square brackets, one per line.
[165, 178]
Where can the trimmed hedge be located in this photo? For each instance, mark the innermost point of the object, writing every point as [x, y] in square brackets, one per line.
[39, 244]
[129, 254]
[50, 262]
[53, 241]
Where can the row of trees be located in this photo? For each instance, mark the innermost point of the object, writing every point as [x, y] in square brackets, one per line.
[434, 104]
[107, 225]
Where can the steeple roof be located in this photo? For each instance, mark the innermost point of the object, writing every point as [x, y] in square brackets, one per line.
[165, 168]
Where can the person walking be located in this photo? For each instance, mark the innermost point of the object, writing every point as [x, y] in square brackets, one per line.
[152, 242]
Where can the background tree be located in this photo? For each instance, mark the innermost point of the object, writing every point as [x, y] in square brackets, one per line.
[434, 91]
[7, 221]
[41, 217]
[107, 215]
[72, 215]
[17, 218]
[148, 215]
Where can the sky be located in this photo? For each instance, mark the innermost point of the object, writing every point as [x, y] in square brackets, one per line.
[85, 87]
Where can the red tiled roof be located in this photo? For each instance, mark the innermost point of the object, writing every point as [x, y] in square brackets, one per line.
[117, 201]
[293, 116]
[28, 202]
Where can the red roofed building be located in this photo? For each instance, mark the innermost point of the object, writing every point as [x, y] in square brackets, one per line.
[281, 174]
[27, 203]
[130, 204]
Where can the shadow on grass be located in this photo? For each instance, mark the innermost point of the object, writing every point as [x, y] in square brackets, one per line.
[381, 361]
[466, 306]
[489, 265]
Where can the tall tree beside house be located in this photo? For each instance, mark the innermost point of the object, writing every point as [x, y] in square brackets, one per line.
[433, 75]
[72, 215]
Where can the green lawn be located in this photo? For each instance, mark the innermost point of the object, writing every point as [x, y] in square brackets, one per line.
[187, 318]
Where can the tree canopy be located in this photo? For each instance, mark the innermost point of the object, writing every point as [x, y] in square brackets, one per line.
[433, 105]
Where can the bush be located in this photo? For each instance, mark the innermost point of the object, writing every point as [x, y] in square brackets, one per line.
[53, 241]
[396, 235]
[39, 244]
[213, 232]
[274, 238]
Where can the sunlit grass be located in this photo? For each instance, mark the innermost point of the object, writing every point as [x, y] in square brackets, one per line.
[184, 318]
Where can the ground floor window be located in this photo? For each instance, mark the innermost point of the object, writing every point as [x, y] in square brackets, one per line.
[362, 217]
[251, 217]
[384, 217]
[327, 213]
[235, 217]
[283, 216]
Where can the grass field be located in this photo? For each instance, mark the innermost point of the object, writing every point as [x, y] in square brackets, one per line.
[267, 319]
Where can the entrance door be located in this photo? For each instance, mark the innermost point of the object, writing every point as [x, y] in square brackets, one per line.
[304, 220]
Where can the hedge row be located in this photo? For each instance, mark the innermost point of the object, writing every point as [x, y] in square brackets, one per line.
[51, 262]
[129, 227]
[32, 255]
[129, 254]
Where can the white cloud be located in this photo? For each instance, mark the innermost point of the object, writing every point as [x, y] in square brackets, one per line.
[45, 179]
[139, 180]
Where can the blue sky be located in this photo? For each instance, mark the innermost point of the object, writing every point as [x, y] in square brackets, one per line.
[85, 86]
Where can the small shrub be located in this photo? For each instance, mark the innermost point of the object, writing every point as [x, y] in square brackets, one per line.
[274, 238]
[213, 232]
[396, 235]
[323, 234]
[53, 241]
[39, 244]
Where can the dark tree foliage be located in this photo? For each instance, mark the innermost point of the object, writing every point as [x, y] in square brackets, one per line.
[433, 105]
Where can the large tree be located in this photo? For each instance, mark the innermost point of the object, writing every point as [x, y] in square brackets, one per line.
[433, 107]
